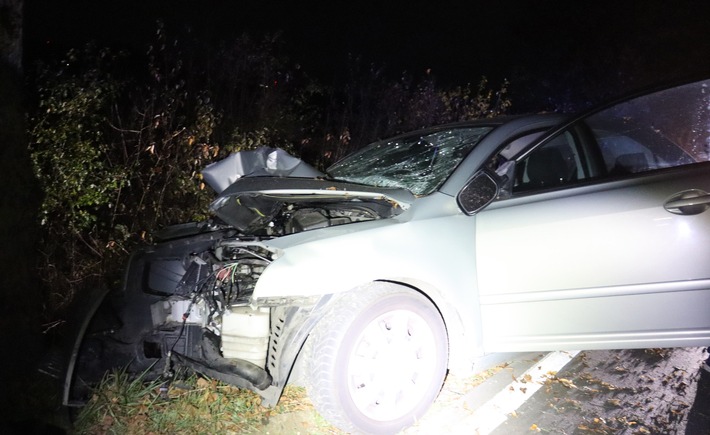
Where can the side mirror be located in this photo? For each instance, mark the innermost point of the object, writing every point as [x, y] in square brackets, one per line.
[480, 191]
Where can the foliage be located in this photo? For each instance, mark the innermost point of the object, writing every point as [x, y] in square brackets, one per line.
[371, 107]
[70, 152]
[69, 145]
[472, 102]
[118, 140]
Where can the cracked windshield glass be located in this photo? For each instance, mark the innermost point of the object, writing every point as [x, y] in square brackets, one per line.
[418, 163]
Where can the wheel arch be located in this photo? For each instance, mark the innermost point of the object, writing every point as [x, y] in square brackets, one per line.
[461, 353]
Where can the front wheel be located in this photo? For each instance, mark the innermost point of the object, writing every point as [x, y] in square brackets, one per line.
[378, 359]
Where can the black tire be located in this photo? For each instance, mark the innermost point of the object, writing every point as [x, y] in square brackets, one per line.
[378, 359]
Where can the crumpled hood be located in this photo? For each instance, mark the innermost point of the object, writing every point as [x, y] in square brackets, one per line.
[263, 161]
[251, 203]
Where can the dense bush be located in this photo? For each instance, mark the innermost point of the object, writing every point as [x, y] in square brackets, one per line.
[118, 140]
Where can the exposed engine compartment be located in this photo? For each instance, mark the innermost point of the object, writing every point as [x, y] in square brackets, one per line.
[214, 293]
[296, 220]
[208, 292]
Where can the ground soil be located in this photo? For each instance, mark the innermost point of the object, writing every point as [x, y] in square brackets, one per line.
[637, 392]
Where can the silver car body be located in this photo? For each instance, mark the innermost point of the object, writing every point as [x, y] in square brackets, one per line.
[527, 233]
[596, 267]
[591, 266]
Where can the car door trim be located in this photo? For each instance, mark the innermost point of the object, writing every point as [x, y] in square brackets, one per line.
[596, 292]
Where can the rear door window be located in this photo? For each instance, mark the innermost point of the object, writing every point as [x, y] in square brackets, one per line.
[665, 129]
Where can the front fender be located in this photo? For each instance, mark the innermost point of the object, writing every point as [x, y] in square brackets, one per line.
[418, 254]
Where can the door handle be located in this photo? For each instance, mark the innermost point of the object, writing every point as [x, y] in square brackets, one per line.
[688, 202]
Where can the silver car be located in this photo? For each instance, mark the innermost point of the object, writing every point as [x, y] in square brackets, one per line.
[417, 255]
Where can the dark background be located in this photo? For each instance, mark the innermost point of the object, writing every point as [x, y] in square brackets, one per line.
[572, 52]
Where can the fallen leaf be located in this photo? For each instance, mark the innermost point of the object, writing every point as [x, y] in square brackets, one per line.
[567, 383]
[614, 403]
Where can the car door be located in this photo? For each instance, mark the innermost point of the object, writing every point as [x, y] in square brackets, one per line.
[601, 236]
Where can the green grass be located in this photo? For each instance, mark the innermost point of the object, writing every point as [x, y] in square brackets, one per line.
[124, 405]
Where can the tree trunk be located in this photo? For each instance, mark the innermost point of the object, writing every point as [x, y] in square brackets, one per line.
[20, 294]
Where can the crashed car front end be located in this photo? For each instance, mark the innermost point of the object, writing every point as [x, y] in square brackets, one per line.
[240, 297]
[189, 300]
[201, 316]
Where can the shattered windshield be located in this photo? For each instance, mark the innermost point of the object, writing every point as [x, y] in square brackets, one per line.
[418, 163]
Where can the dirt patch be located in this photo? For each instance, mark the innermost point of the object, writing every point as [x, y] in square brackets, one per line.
[616, 392]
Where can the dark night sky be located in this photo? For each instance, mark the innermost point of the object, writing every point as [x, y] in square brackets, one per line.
[542, 40]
